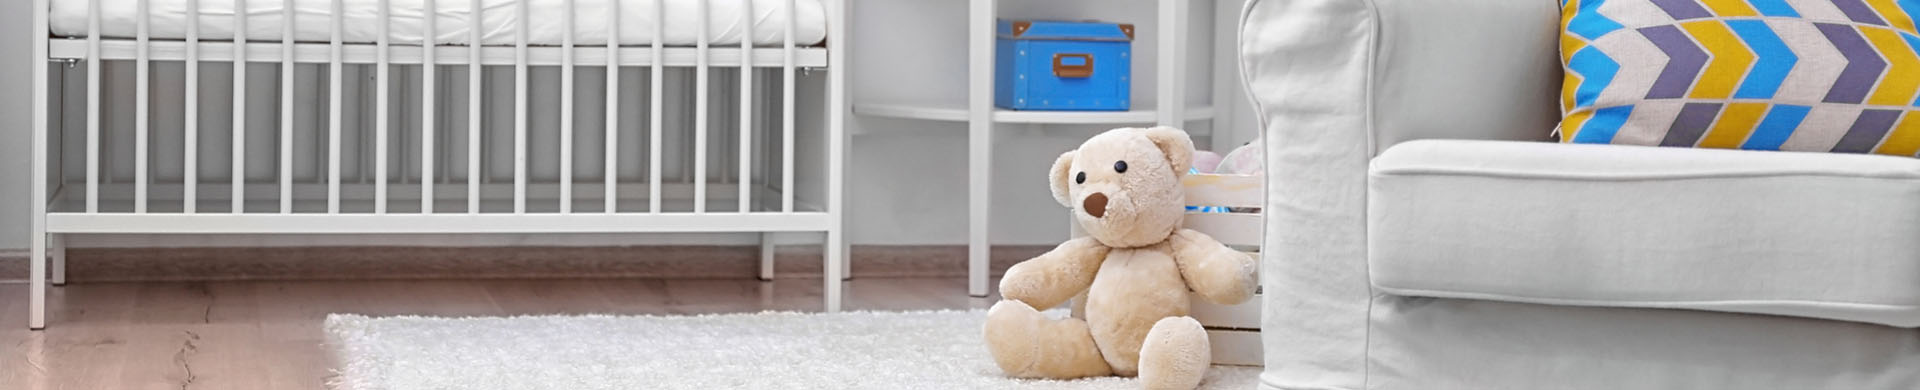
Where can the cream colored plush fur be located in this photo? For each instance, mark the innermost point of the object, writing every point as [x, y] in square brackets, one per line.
[1137, 267]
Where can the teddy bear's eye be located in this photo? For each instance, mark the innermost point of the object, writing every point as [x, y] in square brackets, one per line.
[1080, 178]
[1119, 167]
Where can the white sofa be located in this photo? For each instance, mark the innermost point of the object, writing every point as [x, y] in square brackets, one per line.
[1422, 232]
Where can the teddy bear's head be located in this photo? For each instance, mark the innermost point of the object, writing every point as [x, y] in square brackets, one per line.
[1124, 185]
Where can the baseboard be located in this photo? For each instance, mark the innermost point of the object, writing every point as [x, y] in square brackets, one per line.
[400, 262]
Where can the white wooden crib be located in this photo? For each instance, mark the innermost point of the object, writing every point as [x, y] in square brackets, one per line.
[360, 153]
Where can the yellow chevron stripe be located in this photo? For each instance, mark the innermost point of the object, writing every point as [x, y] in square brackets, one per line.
[1901, 81]
[1730, 8]
[1567, 86]
[1571, 125]
[1567, 12]
[1735, 124]
[1730, 59]
[1904, 140]
[1568, 45]
[1891, 11]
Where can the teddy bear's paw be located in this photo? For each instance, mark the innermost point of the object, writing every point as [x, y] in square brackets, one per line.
[1027, 344]
[1175, 354]
[1011, 329]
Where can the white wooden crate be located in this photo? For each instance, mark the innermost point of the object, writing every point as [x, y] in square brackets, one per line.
[1233, 330]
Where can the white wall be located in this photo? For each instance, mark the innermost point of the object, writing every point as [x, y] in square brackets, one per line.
[16, 23]
[907, 178]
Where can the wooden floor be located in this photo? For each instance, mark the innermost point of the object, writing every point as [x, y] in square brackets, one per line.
[267, 334]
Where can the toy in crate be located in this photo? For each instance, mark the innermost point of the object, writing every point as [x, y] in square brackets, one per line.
[1066, 66]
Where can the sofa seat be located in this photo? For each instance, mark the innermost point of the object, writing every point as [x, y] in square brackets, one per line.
[1832, 236]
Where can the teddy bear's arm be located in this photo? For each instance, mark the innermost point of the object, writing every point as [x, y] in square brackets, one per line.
[1056, 276]
[1220, 274]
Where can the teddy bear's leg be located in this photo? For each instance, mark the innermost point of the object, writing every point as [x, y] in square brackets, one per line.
[1027, 344]
[1175, 355]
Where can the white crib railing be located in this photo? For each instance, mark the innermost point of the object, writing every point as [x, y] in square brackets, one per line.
[329, 199]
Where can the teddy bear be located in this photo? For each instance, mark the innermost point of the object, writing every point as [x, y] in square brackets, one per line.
[1136, 270]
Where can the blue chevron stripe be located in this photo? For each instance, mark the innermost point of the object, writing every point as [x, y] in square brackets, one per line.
[1770, 69]
[1589, 24]
[1605, 123]
[1777, 8]
[1776, 127]
[1596, 72]
[1912, 10]
[1914, 43]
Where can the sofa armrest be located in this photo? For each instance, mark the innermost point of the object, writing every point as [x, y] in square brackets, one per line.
[1405, 69]
[1333, 83]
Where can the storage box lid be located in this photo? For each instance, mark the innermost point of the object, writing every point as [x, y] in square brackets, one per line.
[1064, 30]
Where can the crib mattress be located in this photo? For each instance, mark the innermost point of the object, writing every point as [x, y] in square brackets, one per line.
[498, 22]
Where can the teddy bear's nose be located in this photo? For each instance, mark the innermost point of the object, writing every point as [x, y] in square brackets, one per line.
[1095, 205]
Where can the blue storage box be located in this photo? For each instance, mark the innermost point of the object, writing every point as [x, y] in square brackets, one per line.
[1072, 66]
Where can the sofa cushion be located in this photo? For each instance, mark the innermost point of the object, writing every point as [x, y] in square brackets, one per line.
[1838, 76]
[1833, 236]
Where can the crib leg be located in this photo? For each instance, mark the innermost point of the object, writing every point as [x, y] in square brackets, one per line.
[846, 262]
[836, 256]
[57, 247]
[766, 256]
[37, 281]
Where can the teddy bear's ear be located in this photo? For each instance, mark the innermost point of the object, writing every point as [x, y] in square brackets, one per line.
[1176, 145]
[1058, 178]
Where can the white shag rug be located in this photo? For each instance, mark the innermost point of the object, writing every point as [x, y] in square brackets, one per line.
[853, 350]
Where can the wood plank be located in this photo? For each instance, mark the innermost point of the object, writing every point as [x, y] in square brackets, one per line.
[1245, 315]
[550, 296]
[1238, 229]
[1225, 190]
[1235, 347]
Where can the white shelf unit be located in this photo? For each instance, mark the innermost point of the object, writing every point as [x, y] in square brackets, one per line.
[958, 112]
[980, 114]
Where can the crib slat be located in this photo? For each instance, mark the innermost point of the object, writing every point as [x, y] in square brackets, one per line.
[520, 109]
[41, 246]
[239, 164]
[612, 172]
[191, 131]
[746, 110]
[286, 106]
[93, 106]
[473, 107]
[427, 96]
[566, 111]
[837, 266]
[140, 117]
[786, 113]
[700, 113]
[653, 146]
[382, 72]
[333, 110]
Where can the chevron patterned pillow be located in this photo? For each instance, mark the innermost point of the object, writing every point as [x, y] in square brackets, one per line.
[1800, 75]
